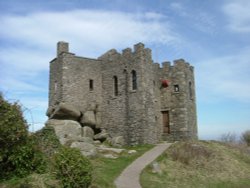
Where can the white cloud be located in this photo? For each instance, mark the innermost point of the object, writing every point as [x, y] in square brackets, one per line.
[225, 77]
[29, 43]
[88, 30]
[238, 15]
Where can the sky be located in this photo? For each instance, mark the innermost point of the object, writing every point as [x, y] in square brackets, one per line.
[213, 36]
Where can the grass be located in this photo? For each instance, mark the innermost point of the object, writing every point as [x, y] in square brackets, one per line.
[185, 164]
[107, 170]
[31, 181]
[200, 164]
[104, 173]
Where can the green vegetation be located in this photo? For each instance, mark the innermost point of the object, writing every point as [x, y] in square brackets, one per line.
[19, 155]
[36, 160]
[107, 170]
[200, 164]
[72, 168]
[246, 137]
[39, 161]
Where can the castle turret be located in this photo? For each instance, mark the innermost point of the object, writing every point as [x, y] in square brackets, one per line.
[183, 105]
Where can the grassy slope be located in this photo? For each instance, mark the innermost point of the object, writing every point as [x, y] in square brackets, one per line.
[104, 174]
[107, 170]
[200, 164]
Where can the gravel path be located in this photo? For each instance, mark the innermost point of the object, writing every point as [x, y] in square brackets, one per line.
[130, 177]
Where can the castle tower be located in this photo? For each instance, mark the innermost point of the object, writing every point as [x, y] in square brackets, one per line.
[182, 102]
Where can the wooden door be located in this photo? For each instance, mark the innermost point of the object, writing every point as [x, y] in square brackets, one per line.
[165, 119]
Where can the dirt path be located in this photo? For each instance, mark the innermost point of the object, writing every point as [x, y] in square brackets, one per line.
[130, 177]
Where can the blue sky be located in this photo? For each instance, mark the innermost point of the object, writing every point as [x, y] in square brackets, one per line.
[214, 36]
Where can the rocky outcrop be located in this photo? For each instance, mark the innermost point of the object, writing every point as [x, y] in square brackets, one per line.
[118, 141]
[64, 112]
[86, 149]
[72, 134]
[87, 132]
[65, 129]
[88, 119]
[102, 136]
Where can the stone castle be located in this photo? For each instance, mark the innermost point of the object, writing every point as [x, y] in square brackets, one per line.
[126, 94]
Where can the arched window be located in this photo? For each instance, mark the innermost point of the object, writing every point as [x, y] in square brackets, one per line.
[115, 85]
[134, 80]
[190, 90]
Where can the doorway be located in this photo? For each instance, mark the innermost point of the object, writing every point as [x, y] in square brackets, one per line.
[165, 122]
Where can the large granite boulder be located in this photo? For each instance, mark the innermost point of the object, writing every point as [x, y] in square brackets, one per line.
[88, 119]
[65, 129]
[87, 149]
[102, 136]
[65, 112]
[87, 132]
[118, 141]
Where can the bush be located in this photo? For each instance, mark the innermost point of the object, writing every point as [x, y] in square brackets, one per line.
[18, 153]
[229, 138]
[72, 168]
[187, 152]
[47, 141]
[246, 137]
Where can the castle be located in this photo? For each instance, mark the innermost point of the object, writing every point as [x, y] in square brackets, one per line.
[127, 94]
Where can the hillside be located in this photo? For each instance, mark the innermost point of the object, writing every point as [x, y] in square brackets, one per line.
[200, 164]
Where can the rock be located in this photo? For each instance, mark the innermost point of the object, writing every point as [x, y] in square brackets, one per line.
[88, 119]
[86, 149]
[98, 120]
[156, 168]
[65, 112]
[104, 149]
[97, 142]
[132, 151]
[87, 132]
[79, 139]
[65, 129]
[118, 141]
[102, 136]
[109, 156]
[49, 111]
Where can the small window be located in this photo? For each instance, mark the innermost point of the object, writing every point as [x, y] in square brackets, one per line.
[115, 85]
[176, 88]
[134, 80]
[190, 90]
[91, 85]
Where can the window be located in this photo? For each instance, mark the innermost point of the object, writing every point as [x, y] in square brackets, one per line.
[91, 85]
[134, 80]
[190, 90]
[115, 85]
[176, 88]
